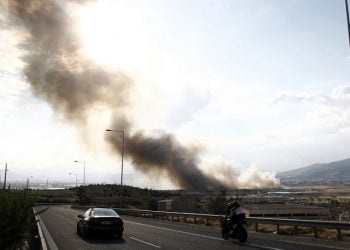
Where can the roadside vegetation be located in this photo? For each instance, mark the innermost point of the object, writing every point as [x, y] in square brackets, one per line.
[105, 195]
[16, 219]
[218, 204]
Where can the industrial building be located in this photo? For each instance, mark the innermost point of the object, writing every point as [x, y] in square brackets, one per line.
[291, 211]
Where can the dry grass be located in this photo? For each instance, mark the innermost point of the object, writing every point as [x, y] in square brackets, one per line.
[326, 234]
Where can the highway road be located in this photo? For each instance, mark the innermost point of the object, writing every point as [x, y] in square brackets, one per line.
[59, 223]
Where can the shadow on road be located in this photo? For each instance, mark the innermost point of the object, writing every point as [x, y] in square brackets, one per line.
[102, 239]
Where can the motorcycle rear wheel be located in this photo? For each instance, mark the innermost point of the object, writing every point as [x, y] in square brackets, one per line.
[242, 235]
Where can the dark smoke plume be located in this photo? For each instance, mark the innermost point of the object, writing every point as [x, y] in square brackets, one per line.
[72, 85]
[163, 155]
[54, 67]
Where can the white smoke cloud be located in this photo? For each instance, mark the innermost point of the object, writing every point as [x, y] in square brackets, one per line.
[253, 177]
[248, 177]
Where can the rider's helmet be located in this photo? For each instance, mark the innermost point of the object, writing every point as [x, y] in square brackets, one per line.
[233, 205]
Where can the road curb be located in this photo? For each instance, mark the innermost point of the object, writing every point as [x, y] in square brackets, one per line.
[45, 236]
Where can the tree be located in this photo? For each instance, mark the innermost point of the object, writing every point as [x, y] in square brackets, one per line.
[84, 199]
[217, 205]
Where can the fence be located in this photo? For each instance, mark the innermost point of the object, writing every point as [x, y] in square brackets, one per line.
[175, 216]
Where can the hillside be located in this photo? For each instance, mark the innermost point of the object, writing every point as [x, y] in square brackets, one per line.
[337, 170]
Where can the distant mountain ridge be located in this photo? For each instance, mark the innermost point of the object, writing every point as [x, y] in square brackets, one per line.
[337, 170]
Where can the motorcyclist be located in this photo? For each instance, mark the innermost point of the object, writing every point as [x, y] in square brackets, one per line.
[235, 213]
[232, 224]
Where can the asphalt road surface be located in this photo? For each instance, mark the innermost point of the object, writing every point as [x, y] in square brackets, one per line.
[59, 222]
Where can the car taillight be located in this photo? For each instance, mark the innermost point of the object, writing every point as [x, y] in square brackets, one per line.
[92, 221]
[117, 221]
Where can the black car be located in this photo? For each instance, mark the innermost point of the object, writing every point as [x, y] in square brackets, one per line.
[100, 220]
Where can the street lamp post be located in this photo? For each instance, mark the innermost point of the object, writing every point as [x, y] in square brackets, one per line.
[84, 170]
[347, 18]
[76, 178]
[28, 181]
[6, 170]
[121, 176]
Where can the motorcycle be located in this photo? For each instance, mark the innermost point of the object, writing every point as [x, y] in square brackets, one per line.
[236, 231]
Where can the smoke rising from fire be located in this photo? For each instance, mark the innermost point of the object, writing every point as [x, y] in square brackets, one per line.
[56, 70]
[163, 154]
[58, 73]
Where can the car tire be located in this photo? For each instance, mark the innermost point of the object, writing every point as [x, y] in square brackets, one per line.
[119, 235]
[78, 230]
[86, 233]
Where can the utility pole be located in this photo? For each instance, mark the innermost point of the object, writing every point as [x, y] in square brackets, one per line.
[121, 175]
[28, 182]
[5, 175]
[347, 18]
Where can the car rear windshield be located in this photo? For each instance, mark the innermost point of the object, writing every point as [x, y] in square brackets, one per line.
[104, 212]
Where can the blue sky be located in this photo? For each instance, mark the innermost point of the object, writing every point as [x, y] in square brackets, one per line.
[261, 83]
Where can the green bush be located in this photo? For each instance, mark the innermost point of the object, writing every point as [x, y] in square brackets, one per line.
[84, 198]
[16, 218]
[217, 205]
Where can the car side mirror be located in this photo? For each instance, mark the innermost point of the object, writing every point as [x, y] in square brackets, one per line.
[80, 216]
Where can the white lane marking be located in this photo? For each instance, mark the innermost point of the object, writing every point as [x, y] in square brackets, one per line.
[177, 231]
[246, 244]
[314, 245]
[145, 242]
[203, 236]
[260, 246]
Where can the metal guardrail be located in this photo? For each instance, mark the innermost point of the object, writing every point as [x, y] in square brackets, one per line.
[41, 236]
[175, 216]
[314, 224]
[46, 240]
